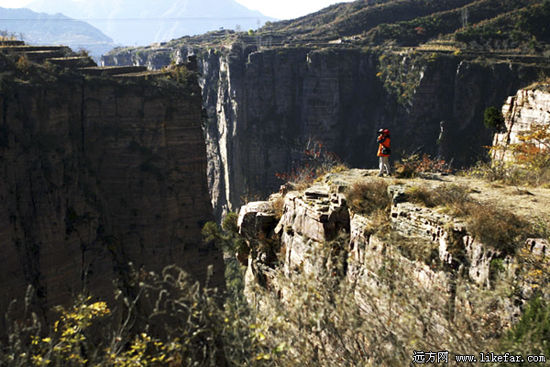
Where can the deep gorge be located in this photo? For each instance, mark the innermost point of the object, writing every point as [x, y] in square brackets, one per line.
[264, 105]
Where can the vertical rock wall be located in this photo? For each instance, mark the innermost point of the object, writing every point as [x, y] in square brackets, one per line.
[98, 172]
[269, 104]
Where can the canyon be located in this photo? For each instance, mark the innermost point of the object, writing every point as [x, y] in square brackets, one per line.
[113, 171]
[432, 262]
[269, 95]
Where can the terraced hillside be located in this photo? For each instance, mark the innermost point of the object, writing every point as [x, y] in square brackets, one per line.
[45, 29]
[412, 22]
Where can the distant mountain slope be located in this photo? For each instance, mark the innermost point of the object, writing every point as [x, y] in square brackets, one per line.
[482, 24]
[40, 29]
[143, 22]
[346, 19]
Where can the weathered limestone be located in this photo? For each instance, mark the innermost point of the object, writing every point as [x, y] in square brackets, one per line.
[527, 109]
[318, 214]
[456, 267]
[538, 247]
[265, 104]
[256, 220]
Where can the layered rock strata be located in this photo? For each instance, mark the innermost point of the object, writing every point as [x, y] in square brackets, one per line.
[265, 104]
[523, 113]
[418, 252]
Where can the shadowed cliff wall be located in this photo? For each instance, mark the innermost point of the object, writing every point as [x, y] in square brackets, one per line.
[98, 172]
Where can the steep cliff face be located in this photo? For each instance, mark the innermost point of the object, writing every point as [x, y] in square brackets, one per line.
[269, 105]
[421, 276]
[264, 106]
[99, 172]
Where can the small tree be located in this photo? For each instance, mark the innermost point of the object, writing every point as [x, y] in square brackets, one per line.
[533, 151]
[493, 119]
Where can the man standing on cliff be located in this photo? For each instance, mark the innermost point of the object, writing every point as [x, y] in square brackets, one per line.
[384, 151]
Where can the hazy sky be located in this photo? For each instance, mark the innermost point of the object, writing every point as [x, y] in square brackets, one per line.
[286, 9]
[281, 9]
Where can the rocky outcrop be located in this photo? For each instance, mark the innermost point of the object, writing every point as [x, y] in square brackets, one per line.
[99, 172]
[416, 258]
[320, 214]
[527, 110]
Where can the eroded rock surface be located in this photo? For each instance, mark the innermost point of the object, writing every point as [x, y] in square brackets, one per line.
[264, 104]
[527, 110]
[417, 250]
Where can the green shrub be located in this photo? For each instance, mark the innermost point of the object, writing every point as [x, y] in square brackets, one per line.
[531, 335]
[496, 267]
[225, 237]
[493, 119]
[229, 223]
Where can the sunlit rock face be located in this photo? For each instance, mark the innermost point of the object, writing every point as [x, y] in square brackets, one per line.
[528, 109]
[416, 257]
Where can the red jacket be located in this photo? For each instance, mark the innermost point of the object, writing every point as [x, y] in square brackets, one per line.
[383, 142]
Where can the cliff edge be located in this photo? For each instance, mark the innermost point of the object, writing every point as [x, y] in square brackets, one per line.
[435, 263]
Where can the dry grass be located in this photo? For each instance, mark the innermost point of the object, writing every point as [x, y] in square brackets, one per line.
[515, 175]
[339, 168]
[416, 249]
[380, 223]
[442, 195]
[415, 165]
[368, 196]
[278, 204]
[493, 225]
[486, 221]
